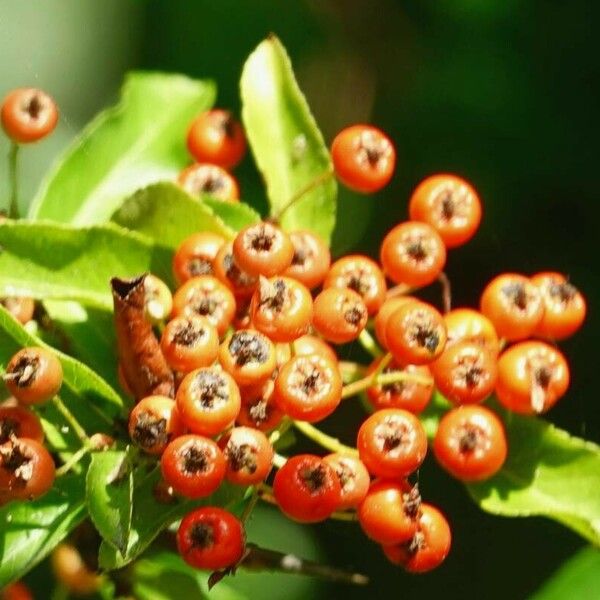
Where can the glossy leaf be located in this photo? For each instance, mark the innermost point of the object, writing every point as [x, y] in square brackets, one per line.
[235, 215]
[139, 141]
[167, 214]
[547, 473]
[52, 261]
[579, 578]
[109, 496]
[287, 145]
[151, 516]
[165, 576]
[87, 334]
[30, 530]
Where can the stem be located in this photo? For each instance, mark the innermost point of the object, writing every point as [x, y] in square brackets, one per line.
[326, 441]
[399, 290]
[261, 559]
[71, 420]
[309, 187]
[13, 171]
[350, 370]
[367, 341]
[446, 291]
[250, 506]
[356, 387]
[279, 460]
[277, 434]
[75, 458]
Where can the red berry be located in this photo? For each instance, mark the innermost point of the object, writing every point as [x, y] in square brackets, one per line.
[413, 253]
[532, 377]
[465, 373]
[564, 306]
[33, 375]
[311, 259]
[470, 443]
[363, 158]
[450, 205]
[415, 334]
[392, 443]
[195, 255]
[468, 325]
[428, 547]
[211, 538]
[353, 477]
[514, 305]
[193, 466]
[216, 137]
[249, 455]
[389, 512]
[258, 408]
[203, 178]
[154, 422]
[226, 271]
[28, 115]
[388, 308]
[308, 388]
[361, 274]
[26, 469]
[263, 249]
[339, 315]
[208, 401]
[248, 356]
[20, 308]
[19, 422]
[307, 489]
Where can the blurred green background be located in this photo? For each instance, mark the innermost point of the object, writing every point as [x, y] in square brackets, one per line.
[503, 92]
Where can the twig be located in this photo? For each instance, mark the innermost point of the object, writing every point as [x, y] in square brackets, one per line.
[13, 169]
[71, 420]
[360, 385]
[261, 559]
[311, 185]
[75, 458]
[367, 341]
[326, 441]
[446, 291]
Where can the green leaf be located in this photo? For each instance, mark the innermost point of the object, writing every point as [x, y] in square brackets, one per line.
[109, 496]
[52, 261]
[150, 516]
[579, 578]
[547, 473]
[30, 530]
[167, 214]
[287, 145]
[235, 214]
[165, 576]
[87, 334]
[93, 402]
[139, 141]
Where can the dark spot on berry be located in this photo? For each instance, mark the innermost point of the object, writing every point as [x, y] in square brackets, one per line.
[227, 124]
[416, 250]
[211, 389]
[359, 283]
[234, 274]
[564, 291]
[415, 544]
[427, 338]
[150, 431]
[202, 535]
[204, 306]
[247, 347]
[354, 315]
[188, 334]
[300, 257]
[310, 385]
[472, 376]
[34, 107]
[25, 370]
[314, 478]
[194, 459]
[345, 474]
[261, 240]
[412, 501]
[273, 294]
[517, 294]
[469, 438]
[241, 457]
[8, 428]
[199, 266]
[448, 206]
[543, 376]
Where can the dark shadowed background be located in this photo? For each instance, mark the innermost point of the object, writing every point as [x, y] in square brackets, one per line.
[503, 92]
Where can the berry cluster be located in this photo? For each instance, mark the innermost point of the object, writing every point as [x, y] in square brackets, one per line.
[245, 351]
[33, 376]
